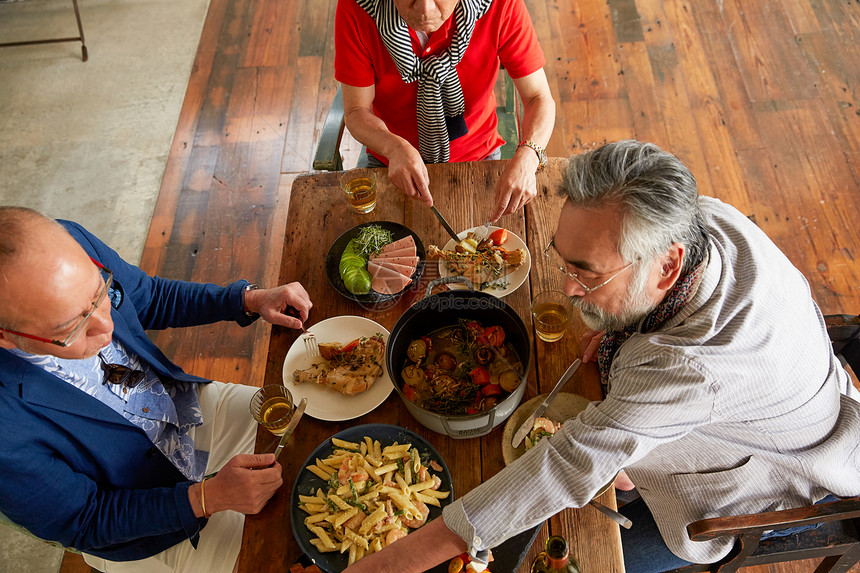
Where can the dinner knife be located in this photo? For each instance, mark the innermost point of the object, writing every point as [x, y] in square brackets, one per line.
[445, 224]
[611, 514]
[294, 421]
[527, 426]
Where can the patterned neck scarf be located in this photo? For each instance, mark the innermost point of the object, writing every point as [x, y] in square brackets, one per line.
[680, 294]
[440, 98]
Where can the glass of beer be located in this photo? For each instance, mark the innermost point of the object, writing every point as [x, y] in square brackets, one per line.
[272, 407]
[551, 310]
[359, 188]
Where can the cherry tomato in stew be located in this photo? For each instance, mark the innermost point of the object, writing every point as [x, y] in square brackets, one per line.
[480, 376]
[491, 390]
[495, 335]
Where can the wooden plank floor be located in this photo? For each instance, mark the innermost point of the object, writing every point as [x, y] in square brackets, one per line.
[758, 98]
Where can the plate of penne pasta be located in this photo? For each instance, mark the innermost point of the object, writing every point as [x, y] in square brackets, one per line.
[364, 488]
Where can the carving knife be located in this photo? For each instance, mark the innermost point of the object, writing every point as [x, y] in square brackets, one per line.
[527, 426]
[294, 421]
[445, 224]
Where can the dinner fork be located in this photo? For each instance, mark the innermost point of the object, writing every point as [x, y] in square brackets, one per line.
[312, 348]
[481, 233]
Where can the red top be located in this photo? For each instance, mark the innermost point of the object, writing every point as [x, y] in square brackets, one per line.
[504, 34]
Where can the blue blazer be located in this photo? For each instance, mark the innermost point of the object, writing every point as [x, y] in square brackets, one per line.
[74, 470]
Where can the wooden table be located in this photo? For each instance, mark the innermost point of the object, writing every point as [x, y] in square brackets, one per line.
[464, 193]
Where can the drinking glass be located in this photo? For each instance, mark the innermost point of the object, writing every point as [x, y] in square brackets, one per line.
[359, 188]
[272, 407]
[551, 311]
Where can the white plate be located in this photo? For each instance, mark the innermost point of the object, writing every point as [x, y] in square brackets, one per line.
[563, 408]
[324, 403]
[513, 280]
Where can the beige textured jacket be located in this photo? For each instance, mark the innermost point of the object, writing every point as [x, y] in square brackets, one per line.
[737, 405]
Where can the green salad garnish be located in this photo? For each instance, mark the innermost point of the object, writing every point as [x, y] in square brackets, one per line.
[371, 239]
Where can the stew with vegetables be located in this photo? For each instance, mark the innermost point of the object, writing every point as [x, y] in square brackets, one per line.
[466, 368]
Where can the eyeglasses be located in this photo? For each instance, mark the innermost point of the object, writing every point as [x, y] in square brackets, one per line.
[107, 276]
[552, 255]
[121, 375]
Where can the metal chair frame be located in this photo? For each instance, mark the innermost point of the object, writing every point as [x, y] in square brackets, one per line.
[79, 38]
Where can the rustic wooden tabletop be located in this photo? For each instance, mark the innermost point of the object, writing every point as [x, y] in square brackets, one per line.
[464, 194]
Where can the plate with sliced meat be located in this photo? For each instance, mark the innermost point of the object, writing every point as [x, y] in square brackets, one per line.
[349, 379]
[497, 269]
[375, 262]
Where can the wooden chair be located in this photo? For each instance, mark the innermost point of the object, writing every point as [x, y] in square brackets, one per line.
[328, 157]
[837, 537]
[297, 568]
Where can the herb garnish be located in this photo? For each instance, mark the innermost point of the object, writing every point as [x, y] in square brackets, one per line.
[371, 239]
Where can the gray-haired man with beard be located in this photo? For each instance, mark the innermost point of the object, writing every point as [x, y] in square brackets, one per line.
[722, 392]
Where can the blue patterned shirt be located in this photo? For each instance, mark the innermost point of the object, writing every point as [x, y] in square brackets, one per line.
[165, 413]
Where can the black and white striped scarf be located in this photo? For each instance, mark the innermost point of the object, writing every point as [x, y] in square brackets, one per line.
[440, 98]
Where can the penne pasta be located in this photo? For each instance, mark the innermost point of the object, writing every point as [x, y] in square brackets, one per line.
[315, 518]
[344, 444]
[357, 540]
[416, 460]
[402, 482]
[376, 545]
[344, 516]
[371, 492]
[338, 501]
[321, 547]
[396, 449]
[371, 471]
[372, 520]
[314, 508]
[436, 493]
[320, 472]
[386, 469]
[422, 485]
[323, 536]
[427, 499]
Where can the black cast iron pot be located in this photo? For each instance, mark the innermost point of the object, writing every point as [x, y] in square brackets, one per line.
[443, 309]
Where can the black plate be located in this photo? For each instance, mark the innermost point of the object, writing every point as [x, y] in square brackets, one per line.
[307, 483]
[332, 261]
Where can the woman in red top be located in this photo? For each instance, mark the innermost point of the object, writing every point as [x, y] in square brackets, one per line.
[382, 110]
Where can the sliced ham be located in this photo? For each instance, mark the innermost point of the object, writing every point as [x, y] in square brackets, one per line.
[373, 267]
[405, 242]
[406, 261]
[388, 281]
[405, 252]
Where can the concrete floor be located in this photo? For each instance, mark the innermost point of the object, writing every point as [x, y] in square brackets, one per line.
[88, 141]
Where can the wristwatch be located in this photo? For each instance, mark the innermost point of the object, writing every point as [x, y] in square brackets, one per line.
[541, 153]
[244, 292]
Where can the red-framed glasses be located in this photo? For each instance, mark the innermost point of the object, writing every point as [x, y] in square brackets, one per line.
[107, 276]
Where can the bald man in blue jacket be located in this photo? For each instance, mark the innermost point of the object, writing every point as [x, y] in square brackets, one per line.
[104, 442]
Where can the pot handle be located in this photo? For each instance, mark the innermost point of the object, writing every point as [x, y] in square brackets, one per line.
[447, 280]
[454, 433]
